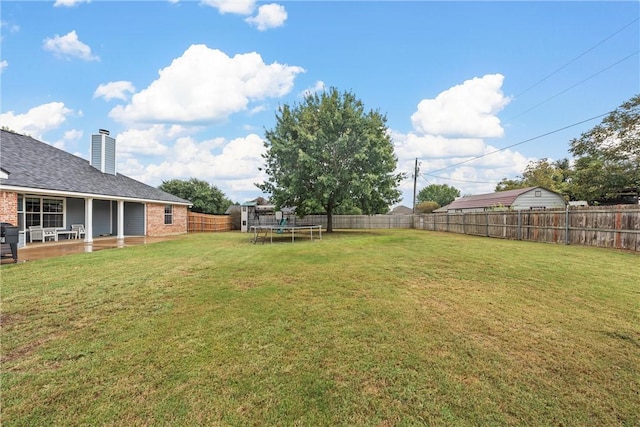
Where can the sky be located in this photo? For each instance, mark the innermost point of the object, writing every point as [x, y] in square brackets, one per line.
[473, 90]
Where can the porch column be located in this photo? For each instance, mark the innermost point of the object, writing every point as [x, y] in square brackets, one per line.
[120, 219]
[88, 220]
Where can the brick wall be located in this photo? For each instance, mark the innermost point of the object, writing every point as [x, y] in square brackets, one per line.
[155, 220]
[9, 207]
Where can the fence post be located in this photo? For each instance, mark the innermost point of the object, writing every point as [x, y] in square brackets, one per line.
[519, 224]
[566, 226]
[486, 223]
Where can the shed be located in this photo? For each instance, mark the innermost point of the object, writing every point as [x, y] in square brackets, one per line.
[534, 198]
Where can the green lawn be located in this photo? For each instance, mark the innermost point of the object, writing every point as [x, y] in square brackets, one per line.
[392, 327]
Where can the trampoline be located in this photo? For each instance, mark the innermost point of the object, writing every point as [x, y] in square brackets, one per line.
[261, 232]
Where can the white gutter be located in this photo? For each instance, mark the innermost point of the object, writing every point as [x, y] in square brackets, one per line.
[40, 191]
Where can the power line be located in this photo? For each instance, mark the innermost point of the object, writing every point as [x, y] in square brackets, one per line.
[461, 180]
[543, 102]
[577, 57]
[577, 84]
[425, 179]
[522, 142]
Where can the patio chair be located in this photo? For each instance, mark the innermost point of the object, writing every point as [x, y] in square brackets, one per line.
[36, 232]
[78, 228]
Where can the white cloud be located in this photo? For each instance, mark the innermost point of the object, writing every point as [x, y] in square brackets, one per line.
[238, 158]
[133, 168]
[269, 16]
[13, 28]
[433, 146]
[152, 141]
[258, 109]
[448, 139]
[231, 165]
[467, 110]
[452, 155]
[69, 136]
[73, 135]
[319, 86]
[69, 3]
[69, 46]
[37, 120]
[205, 85]
[240, 7]
[176, 131]
[114, 90]
[3, 64]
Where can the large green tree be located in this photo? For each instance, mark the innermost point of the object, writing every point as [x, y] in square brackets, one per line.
[608, 156]
[206, 198]
[427, 206]
[442, 194]
[554, 176]
[510, 184]
[327, 152]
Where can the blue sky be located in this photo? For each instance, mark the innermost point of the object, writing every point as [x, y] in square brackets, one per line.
[188, 87]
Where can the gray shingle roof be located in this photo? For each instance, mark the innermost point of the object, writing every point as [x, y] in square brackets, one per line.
[401, 210]
[34, 164]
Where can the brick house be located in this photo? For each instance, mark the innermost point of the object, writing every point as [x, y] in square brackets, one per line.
[41, 185]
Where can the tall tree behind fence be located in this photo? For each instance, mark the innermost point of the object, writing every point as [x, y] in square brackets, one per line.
[197, 222]
[603, 226]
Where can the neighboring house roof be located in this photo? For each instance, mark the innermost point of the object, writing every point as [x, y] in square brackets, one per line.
[401, 210]
[500, 198]
[35, 165]
[444, 208]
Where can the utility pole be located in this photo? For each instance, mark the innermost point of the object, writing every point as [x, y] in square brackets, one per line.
[415, 179]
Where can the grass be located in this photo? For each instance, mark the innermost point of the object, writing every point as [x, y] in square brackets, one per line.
[393, 327]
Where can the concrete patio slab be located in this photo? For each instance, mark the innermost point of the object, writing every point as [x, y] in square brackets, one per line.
[35, 251]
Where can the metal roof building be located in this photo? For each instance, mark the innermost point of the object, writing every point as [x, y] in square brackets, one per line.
[519, 199]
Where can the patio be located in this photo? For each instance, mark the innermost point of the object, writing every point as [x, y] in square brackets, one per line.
[35, 251]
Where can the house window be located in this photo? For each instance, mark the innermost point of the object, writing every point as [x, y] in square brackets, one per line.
[46, 212]
[538, 193]
[168, 214]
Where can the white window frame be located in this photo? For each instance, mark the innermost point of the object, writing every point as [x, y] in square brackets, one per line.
[168, 214]
[22, 210]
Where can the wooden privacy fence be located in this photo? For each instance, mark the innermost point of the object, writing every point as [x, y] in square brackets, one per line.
[362, 221]
[603, 226]
[197, 222]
